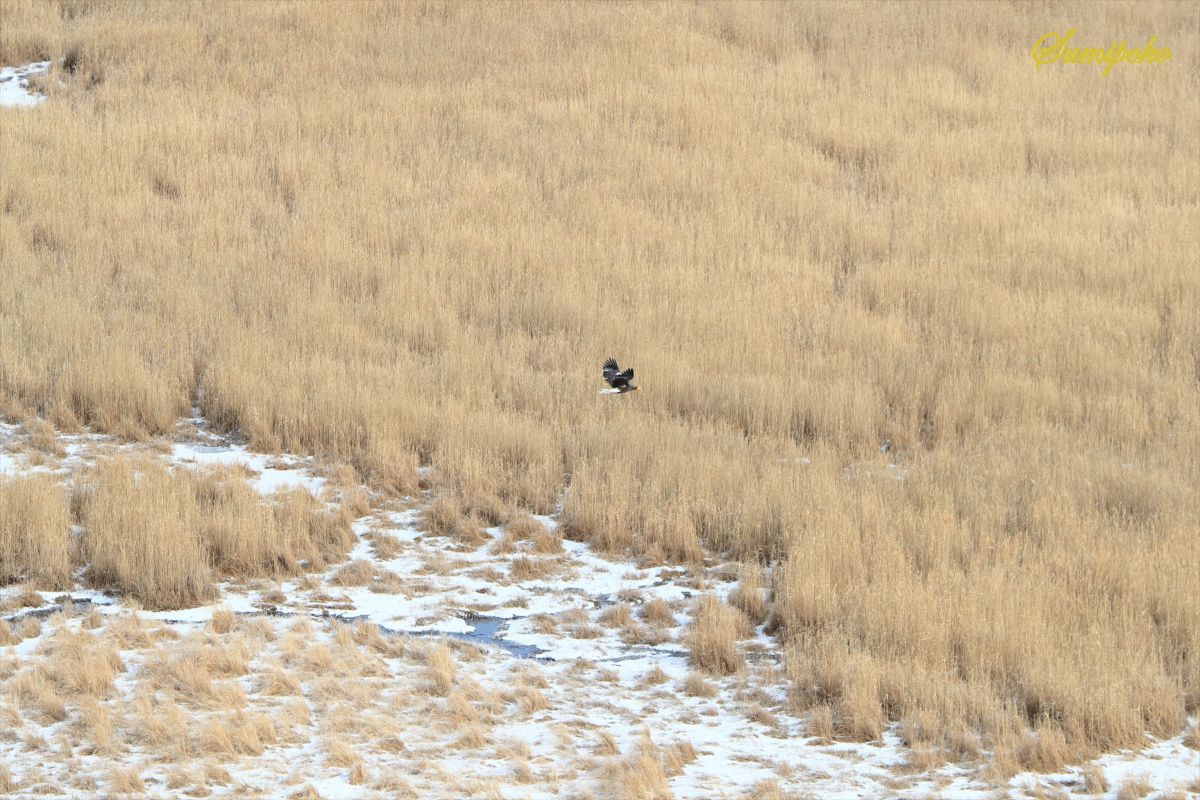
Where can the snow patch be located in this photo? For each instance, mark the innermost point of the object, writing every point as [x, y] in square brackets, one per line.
[14, 84]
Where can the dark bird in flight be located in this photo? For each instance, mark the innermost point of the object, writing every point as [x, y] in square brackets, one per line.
[621, 381]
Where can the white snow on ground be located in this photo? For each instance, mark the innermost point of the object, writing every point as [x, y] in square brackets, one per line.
[14, 84]
[595, 676]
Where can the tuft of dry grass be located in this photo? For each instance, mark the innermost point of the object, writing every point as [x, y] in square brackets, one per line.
[640, 775]
[1135, 787]
[355, 501]
[547, 542]
[695, 685]
[28, 597]
[712, 637]
[616, 616]
[1192, 739]
[468, 531]
[524, 568]
[29, 627]
[355, 573]
[677, 756]
[179, 524]
[96, 720]
[658, 613]
[80, 665]
[308, 533]
[655, 676]
[42, 436]
[473, 738]
[606, 744]
[32, 690]
[488, 508]
[749, 596]
[385, 546]
[141, 538]
[126, 781]
[524, 527]
[223, 620]
[442, 516]
[341, 754]
[531, 700]
[820, 722]
[34, 532]
[440, 669]
[276, 683]
[1094, 781]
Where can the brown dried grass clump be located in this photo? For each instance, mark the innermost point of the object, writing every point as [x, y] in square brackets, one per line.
[161, 725]
[42, 436]
[524, 527]
[1135, 787]
[81, 665]
[276, 683]
[640, 775]
[532, 700]
[677, 756]
[1192, 739]
[469, 531]
[385, 546]
[442, 516]
[548, 542]
[712, 637]
[658, 613]
[126, 781]
[616, 616]
[28, 597]
[749, 597]
[524, 568]
[223, 620]
[655, 677]
[489, 508]
[1094, 781]
[236, 526]
[820, 722]
[696, 685]
[141, 538]
[34, 692]
[96, 722]
[34, 532]
[440, 669]
[312, 535]
[355, 573]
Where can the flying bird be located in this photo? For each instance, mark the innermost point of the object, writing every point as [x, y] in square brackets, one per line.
[621, 381]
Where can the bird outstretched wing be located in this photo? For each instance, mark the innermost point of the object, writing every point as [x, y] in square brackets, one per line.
[611, 371]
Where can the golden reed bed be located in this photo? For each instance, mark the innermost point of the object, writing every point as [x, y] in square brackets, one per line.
[406, 234]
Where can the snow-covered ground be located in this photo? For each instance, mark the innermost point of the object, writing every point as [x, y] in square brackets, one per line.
[14, 84]
[560, 683]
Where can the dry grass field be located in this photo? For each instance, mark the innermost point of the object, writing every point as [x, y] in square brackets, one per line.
[916, 325]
